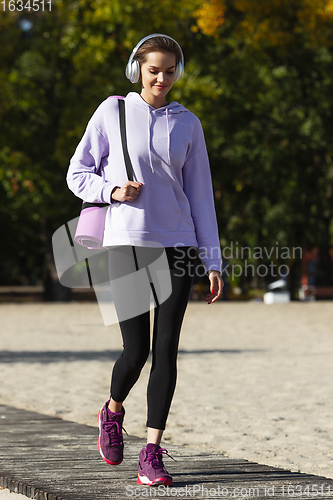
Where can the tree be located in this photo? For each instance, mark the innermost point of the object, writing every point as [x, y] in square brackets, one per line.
[258, 75]
[55, 69]
[271, 79]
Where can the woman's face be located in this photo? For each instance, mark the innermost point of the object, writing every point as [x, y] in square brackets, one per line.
[157, 76]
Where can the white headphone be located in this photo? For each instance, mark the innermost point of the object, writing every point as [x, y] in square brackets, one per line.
[133, 67]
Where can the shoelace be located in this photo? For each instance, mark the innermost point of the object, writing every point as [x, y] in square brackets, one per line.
[155, 458]
[116, 437]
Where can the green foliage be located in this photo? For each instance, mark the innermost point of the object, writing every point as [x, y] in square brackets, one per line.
[272, 121]
[266, 113]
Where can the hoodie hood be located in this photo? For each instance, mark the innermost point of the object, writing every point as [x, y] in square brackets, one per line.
[173, 108]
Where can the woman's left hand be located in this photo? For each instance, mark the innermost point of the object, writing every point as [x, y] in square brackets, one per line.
[216, 286]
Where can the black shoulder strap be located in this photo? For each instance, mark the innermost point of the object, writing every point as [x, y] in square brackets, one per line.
[127, 159]
[129, 168]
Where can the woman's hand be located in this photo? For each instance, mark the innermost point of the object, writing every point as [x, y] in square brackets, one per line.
[216, 286]
[128, 192]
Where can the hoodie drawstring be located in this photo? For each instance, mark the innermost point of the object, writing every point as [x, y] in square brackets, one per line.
[149, 139]
[168, 133]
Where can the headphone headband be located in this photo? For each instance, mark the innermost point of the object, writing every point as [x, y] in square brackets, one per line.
[133, 67]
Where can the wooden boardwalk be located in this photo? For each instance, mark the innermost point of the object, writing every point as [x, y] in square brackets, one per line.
[47, 458]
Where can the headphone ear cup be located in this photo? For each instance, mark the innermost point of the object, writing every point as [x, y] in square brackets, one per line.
[179, 71]
[133, 71]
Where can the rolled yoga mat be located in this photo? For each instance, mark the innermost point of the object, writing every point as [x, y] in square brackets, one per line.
[90, 228]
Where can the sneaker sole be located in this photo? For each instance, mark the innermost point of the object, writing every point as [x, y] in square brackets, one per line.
[166, 481]
[99, 445]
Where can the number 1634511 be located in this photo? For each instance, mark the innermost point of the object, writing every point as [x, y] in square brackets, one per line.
[26, 5]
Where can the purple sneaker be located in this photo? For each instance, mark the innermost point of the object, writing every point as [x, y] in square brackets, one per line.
[151, 468]
[110, 441]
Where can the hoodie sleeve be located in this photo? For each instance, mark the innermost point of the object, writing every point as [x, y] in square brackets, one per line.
[82, 177]
[199, 191]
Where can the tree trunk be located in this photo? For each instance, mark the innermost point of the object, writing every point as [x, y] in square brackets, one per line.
[53, 290]
[324, 276]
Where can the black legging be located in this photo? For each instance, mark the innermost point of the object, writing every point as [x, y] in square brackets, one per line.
[168, 317]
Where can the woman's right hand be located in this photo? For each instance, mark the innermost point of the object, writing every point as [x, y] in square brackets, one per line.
[128, 192]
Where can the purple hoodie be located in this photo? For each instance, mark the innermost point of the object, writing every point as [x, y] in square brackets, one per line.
[167, 149]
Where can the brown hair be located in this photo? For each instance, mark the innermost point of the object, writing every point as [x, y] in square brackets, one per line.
[156, 44]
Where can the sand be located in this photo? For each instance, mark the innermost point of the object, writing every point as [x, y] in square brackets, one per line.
[254, 380]
[5, 494]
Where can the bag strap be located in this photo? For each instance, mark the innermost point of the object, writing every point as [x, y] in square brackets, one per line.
[128, 163]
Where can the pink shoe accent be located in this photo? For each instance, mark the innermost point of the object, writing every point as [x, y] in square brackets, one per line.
[167, 481]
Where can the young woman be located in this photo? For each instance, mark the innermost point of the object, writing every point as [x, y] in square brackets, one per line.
[169, 207]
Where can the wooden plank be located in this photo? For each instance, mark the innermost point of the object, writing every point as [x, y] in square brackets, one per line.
[48, 458]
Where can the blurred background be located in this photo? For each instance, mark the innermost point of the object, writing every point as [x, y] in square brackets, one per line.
[258, 74]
